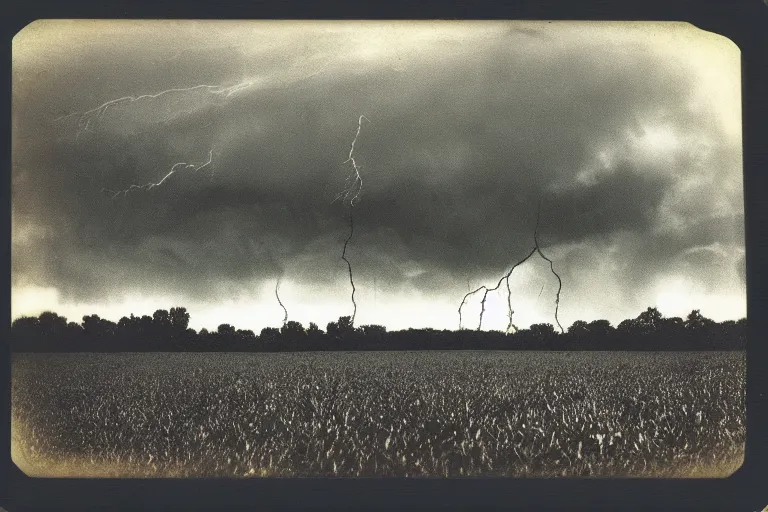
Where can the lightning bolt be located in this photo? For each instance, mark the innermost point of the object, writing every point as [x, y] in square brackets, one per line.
[552, 268]
[180, 166]
[350, 195]
[510, 311]
[354, 183]
[277, 294]
[487, 290]
[505, 277]
[349, 265]
[85, 120]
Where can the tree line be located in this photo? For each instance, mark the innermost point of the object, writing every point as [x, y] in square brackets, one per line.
[168, 330]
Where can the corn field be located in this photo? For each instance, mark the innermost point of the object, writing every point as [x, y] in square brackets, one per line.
[415, 414]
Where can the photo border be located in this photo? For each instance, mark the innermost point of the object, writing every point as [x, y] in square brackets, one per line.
[745, 22]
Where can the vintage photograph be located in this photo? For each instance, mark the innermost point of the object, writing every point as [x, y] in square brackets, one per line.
[430, 249]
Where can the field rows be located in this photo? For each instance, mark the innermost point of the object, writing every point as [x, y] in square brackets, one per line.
[379, 414]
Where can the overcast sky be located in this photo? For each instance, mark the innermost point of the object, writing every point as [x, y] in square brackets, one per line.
[629, 134]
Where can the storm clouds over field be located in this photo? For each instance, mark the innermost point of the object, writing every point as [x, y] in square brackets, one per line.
[629, 135]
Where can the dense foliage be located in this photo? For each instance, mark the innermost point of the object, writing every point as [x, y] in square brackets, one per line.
[380, 414]
[168, 331]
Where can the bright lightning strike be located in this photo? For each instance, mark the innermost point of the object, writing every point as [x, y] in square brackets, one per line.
[488, 290]
[180, 166]
[351, 192]
[85, 119]
[506, 277]
[350, 195]
[510, 311]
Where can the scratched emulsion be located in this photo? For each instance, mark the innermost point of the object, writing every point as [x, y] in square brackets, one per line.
[379, 414]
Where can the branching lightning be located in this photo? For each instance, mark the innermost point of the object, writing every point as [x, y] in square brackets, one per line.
[85, 119]
[506, 277]
[487, 290]
[354, 183]
[350, 195]
[180, 166]
[277, 294]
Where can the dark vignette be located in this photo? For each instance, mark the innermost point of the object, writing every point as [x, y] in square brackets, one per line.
[743, 21]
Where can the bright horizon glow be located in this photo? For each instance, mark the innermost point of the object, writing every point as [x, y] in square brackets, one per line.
[394, 311]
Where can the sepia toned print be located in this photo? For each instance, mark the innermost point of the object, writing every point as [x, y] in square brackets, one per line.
[348, 248]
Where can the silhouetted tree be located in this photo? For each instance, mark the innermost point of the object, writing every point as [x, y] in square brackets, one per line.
[600, 327]
[628, 326]
[204, 340]
[179, 319]
[292, 327]
[246, 339]
[577, 335]
[127, 333]
[183, 337]
[226, 330]
[169, 330]
[701, 330]
[52, 325]
[75, 330]
[25, 334]
[600, 337]
[343, 327]
[695, 321]
[225, 337]
[741, 333]
[145, 325]
[270, 337]
[97, 331]
[649, 321]
[315, 337]
[293, 334]
[543, 334]
[373, 336]
[377, 330]
[25, 322]
[672, 333]
[161, 317]
[579, 328]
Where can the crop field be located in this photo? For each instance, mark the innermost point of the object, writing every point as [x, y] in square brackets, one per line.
[421, 414]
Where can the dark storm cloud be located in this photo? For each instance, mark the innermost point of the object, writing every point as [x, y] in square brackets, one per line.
[464, 139]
